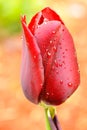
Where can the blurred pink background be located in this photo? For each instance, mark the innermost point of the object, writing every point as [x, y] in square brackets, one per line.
[16, 112]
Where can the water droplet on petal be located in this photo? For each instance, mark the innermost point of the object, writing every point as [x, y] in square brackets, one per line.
[56, 63]
[63, 62]
[59, 43]
[69, 84]
[66, 49]
[48, 54]
[55, 39]
[51, 41]
[53, 32]
[57, 71]
[54, 48]
[46, 50]
[63, 56]
[61, 81]
[41, 84]
[34, 57]
[60, 64]
[47, 95]
[45, 20]
[38, 26]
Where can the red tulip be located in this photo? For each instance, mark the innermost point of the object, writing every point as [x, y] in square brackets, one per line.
[49, 63]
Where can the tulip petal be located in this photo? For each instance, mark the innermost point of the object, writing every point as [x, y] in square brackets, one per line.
[45, 14]
[60, 63]
[64, 76]
[45, 35]
[51, 15]
[33, 25]
[32, 74]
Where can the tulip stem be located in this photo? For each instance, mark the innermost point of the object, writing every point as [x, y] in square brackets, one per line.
[49, 114]
[51, 118]
[48, 127]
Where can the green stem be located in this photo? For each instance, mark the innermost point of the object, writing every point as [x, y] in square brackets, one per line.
[48, 127]
[52, 122]
[49, 112]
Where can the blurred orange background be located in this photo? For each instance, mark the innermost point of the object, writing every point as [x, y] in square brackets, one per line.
[16, 112]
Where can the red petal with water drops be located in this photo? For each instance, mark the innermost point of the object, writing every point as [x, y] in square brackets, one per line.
[49, 69]
[45, 36]
[60, 63]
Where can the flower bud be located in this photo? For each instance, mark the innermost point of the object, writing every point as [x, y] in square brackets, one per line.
[49, 64]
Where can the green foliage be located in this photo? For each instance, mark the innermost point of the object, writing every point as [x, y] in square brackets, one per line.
[11, 11]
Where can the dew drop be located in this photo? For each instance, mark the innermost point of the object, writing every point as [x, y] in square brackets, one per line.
[57, 72]
[53, 32]
[63, 62]
[63, 56]
[66, 49]
[61, 81]
[59, 43]
[56, 63]
[47, 93]
[51, 41]
[60, 64]
[69, 84]
[41, 84]
[38, 26]
[54, 48]
[60, 47]
[45, 20]
[46, 50]
[34, 57]
[48, 54]
[55, 39]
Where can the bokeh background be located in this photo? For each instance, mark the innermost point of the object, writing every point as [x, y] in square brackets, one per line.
[16, 112]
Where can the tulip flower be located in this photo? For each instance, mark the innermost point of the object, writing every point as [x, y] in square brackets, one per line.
[49, 70]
